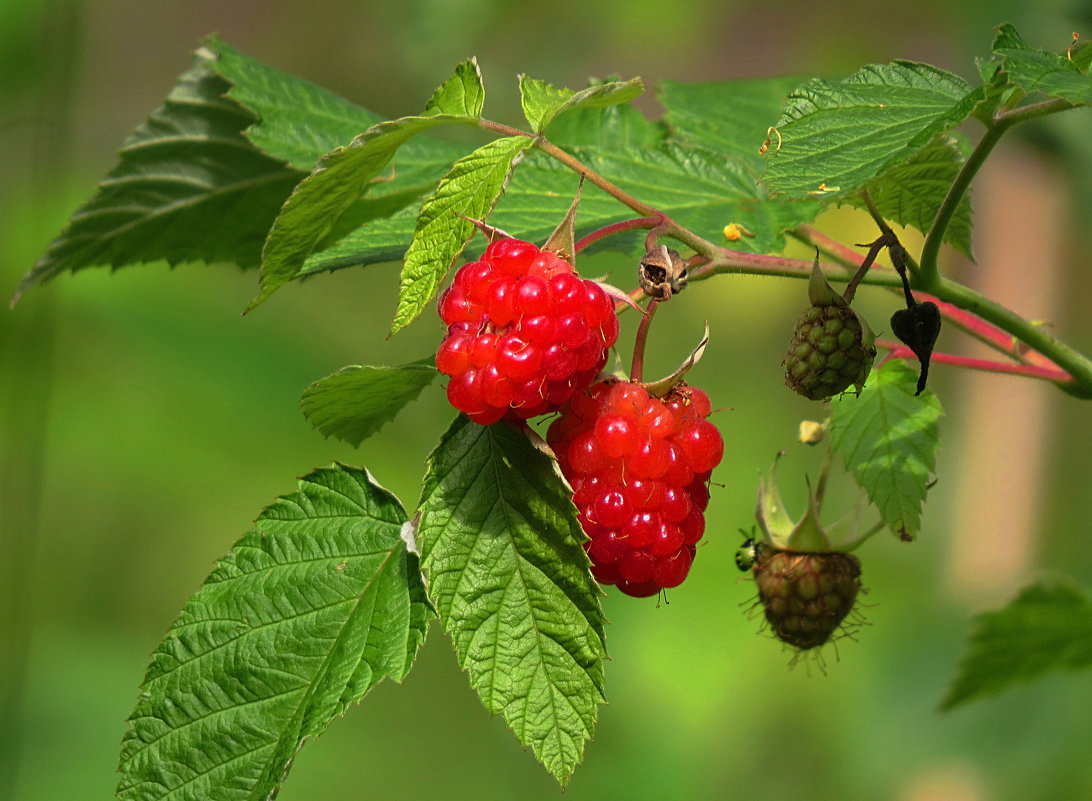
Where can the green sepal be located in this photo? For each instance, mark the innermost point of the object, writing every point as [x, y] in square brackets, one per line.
[820, 292]
[808, 534]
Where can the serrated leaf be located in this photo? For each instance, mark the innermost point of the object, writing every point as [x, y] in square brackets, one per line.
[461, 95]
[842, 134]
[701, 190]
[1048, 627]
[888, 439]
[356, 401]
[300, 123]
[543, 102]
[300, 620]
[339, 180]
[729, 117]
[911, 193]
[294, 119]
[443, 228]
[508, 576]
[188, 187]
[1035, 70]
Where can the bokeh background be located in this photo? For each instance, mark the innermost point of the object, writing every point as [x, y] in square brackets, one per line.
[144, 423]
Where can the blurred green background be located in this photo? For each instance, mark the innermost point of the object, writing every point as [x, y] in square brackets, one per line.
[145, 423]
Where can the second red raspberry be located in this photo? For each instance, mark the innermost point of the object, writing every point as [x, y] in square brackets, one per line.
[639, 467]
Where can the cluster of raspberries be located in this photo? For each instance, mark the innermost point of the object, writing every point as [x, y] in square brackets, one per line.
[639, 467]
[524, 333]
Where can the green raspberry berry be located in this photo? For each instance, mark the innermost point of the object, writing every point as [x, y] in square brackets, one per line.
[806, 596]
[828, 353]
[831, 348]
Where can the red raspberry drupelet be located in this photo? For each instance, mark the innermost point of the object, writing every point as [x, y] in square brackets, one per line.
[524, 333]
[639, 467]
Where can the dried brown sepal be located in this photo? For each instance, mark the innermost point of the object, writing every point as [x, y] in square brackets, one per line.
[662, 272]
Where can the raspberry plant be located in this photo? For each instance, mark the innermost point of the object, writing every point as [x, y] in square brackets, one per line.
[514, 535]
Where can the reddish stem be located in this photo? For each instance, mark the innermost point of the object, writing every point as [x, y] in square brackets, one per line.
[614, 228]
[637, 367]
[900, 351]
[965, 320]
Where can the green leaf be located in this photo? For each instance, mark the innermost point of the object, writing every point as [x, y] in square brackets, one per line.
[345, 175]
[888, 438]
[1048, 627]
[842, 134]
[189, 187]
[701, 190]
[356, 401]
[295, 120]
[340, 179]
[300, 620]
[469, 191]
[606, 128]
[1041, 71]
[543, 103]
[911, 193]
[461, 95]
[300, 122]
[506, 572]
[729, 117]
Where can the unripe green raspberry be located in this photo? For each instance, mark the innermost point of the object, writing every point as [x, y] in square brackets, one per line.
[806, 596]
[831, 348]
[828, 353]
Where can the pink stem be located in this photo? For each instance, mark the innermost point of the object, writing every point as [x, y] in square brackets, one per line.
[971, 323]
[614, 228]
[900, 351]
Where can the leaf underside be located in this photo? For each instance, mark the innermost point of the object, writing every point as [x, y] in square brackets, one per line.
[509, 579]
[888, 438]
[1048, 627]
[356, 401]
[911, 193]
[300, 620]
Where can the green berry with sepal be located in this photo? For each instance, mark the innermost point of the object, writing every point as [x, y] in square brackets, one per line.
[832, 348]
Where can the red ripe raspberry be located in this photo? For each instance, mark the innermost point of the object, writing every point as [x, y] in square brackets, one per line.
[525, 333]
[639, 467]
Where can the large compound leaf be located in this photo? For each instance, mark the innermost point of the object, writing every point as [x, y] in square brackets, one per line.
[444, 225]
[911, 193]
[1048, 627]
[301, 619]
[188, 187]
[729, 117]
[543, 102]
[506, 572]
[356, 401]
[836, 136]
[1041, 71]
[888, 438]
[343, 176]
